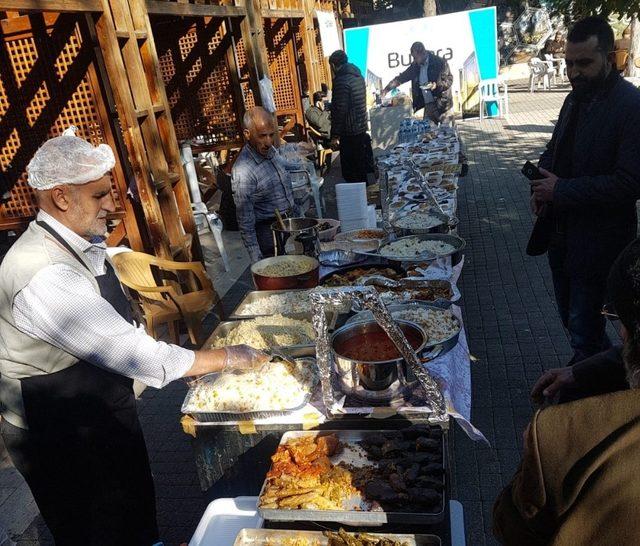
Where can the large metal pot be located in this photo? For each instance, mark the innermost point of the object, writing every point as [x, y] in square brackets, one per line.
[299, 236]
[373, 375]
[307, 279]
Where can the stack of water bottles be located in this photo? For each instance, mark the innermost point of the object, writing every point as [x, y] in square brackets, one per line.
[412, 129]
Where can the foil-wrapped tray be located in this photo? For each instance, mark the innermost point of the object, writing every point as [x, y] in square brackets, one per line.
[357, 511]
[266, 537]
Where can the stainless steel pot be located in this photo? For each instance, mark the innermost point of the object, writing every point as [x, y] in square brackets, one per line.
[370, 375]
[299, 236]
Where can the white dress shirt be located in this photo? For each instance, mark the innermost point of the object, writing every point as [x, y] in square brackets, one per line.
[424, 79]
[57, 295]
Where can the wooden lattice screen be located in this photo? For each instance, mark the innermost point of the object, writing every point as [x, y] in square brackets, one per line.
[323, 66]
[243, 68]
[47, 83]
[279, 37]
[197, 77]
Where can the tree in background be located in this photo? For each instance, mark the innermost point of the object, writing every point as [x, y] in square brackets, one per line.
[623, 8]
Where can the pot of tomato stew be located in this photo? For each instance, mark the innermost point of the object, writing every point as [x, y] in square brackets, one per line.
[364, 353]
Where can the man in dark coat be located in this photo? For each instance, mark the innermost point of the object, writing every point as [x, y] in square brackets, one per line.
[349, 119]
[431, 82]
[586, 202]
[319, 118]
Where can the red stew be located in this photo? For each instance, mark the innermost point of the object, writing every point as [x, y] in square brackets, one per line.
[375, 346]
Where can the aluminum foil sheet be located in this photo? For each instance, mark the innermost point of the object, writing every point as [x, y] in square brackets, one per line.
[328, 299]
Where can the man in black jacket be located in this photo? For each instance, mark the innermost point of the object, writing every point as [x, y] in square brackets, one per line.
[349, 119]
[431, 82]
[586, 201]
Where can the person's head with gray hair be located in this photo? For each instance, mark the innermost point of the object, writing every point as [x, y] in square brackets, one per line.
[259, 129]
[418, 52]
[72, 182]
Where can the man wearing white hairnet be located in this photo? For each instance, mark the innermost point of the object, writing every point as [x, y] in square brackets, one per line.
[69, 352]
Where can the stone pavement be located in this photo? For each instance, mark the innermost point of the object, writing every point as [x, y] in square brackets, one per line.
[511, 321]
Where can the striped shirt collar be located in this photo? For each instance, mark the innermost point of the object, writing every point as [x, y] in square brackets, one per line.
[94, 252]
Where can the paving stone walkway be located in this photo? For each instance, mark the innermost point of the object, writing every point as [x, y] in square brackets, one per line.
[514, 333]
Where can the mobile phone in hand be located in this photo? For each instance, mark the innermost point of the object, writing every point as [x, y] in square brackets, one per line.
[531, 171]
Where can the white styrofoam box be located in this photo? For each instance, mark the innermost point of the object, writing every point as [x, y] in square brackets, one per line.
[371, 217]
[224, 519]
[351, 199]
[353, 224]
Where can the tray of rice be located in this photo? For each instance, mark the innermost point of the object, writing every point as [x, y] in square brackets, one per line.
[274, 332]
[282, 272]
[277, 388]
[261, 303]
[427, 246]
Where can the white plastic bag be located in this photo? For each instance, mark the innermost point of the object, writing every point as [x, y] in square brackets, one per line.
[266, 94]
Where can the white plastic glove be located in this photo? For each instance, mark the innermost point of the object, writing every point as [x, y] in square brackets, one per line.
[243, 357]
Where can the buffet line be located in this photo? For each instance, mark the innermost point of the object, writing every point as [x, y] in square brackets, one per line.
[361, 325]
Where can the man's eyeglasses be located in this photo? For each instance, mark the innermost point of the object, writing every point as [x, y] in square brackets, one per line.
[609, 312]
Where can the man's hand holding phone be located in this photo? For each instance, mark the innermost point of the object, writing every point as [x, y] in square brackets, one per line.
[542, 182]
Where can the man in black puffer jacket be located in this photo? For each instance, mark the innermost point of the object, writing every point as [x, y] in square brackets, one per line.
[431, 82]
[349, 119]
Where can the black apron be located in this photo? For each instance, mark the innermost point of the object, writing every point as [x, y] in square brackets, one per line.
[89, 469]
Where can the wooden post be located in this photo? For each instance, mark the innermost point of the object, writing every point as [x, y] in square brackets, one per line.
[309, 45]
[131, 130]
[167, 132]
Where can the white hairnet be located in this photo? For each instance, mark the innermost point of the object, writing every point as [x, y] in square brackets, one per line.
[68, 159]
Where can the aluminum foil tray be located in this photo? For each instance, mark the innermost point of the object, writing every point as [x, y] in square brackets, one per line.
[226, 416]
[262, 537]
[255, 295]
[291, 350]
[358, 514]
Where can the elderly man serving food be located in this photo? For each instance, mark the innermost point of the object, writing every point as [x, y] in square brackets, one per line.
[69, 352]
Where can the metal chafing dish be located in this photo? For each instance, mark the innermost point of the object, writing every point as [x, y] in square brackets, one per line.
[358, 510]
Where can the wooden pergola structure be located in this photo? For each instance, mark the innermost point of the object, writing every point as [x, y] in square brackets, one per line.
[142, 75]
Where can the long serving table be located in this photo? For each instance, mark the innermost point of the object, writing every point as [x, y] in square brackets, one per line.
[233, 457]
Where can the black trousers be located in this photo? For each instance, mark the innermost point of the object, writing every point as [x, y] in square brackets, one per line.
[265, 237]
[356, 157]
[80, 489]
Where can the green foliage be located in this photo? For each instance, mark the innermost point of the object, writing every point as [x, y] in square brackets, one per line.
[581, 8]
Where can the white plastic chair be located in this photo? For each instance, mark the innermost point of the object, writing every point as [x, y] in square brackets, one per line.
[559, 65]
[490, 92]
[539, 73]
[301, 177]
[201, 214]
